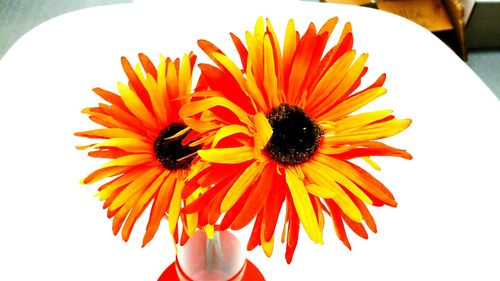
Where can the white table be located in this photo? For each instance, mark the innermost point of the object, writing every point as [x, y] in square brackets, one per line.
[446, 226]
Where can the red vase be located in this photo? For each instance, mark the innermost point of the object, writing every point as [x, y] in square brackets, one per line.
[218, 259]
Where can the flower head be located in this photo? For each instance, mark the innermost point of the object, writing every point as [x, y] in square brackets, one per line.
[283, 131]
[145, 140]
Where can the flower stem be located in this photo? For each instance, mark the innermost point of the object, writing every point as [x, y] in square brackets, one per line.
[214, 253]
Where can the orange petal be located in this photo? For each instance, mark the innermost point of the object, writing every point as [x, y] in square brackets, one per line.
[159, 208]
[126, 144]
[141, 204]
[103, 173]
[131, 160]
[108, 133]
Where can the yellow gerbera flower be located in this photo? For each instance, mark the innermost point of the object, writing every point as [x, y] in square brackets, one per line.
[145, 140]
[283, 131]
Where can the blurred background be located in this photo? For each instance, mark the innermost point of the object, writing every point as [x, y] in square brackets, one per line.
[470, 27]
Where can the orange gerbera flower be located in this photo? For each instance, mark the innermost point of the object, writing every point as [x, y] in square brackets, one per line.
[283, 131]
[143, 135]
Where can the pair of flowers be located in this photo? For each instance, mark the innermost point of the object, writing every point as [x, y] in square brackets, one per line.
[278, 130]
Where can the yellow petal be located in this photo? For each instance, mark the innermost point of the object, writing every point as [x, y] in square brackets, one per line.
[185, 76]
[172, 81]
[159, 100]
[267, 246]
[255, 58]
[110, 133]
[196, 107]
[351, 76]
[162, 80]
[319, 211]
[321, 177]
[136, 186]
[159, 207]
[303, 206]
[209, 231]
[270, 79]
[232, 68]
[135, 105]
[277, 54]
[104, 173]
[332, 78]
[175, 205]
[359, 120]
[264, 131]
[372, 186]
[200, 125]
[179, 134]
[253, 89]
[353, 103]
[259, 28]
[372, 132]
[338, 177]
[192, 219]
[227, 155]
[140, 204]
[372, 163]
[241, 185]
[125, 179]
[289, 47]
[320, 191]
[227, 131]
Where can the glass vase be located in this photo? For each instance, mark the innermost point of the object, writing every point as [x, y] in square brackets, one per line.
[219, 259]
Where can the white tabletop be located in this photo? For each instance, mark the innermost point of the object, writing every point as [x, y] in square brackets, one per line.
[446, 226]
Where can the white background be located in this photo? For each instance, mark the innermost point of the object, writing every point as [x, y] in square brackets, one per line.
[446, 226]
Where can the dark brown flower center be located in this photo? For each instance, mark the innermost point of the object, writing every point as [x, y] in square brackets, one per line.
[295, 136]
[170, 152]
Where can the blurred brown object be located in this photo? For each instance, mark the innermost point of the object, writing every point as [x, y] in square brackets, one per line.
[445, 18]
[352, 2]
[456, 11]
[430, 14]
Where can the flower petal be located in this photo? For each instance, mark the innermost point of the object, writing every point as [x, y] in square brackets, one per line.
[136, 186]
[321, 177]
[196, 107]
[108, 133]
[227, 131]
[303, 205]
[135, 105]
[175, 205]
[240, 185]
[159, 208]
[130, 160]
[359, 120]
[353, 103]
[141, 204]
[338, 177]
[231, 155]
[127, 144]
[264, 131]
